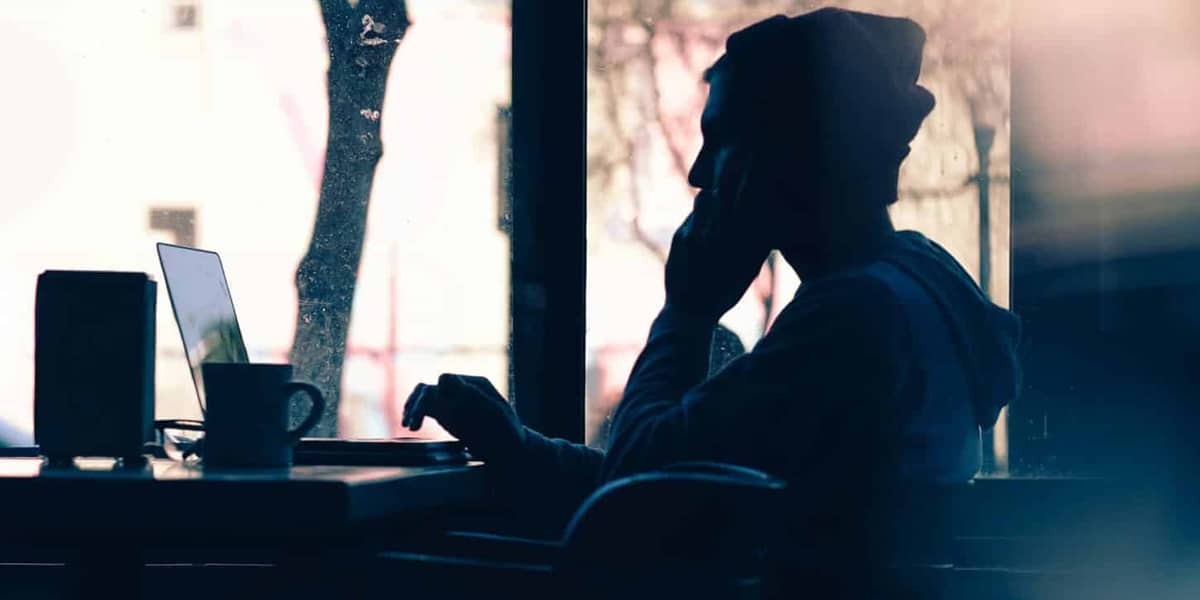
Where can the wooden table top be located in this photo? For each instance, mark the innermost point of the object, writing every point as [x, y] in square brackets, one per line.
[169, 496]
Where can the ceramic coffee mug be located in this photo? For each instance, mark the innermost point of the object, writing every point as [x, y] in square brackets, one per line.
[246, 414]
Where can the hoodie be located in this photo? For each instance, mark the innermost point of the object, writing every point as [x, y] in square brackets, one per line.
[984, 335]
[884, 371]
[867, 395]
[878, 375]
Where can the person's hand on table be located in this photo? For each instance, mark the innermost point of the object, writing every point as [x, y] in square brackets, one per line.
[473, 411]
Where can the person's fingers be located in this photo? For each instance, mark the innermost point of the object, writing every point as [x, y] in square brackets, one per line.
[681, 240]
[687, 229]
[416, 407]
[408, 402]
[744, 192]
[705, 213]
[411, 403]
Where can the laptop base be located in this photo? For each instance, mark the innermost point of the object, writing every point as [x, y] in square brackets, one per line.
[396, 452]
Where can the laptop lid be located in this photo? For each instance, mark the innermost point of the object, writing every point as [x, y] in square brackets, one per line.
[203, 307]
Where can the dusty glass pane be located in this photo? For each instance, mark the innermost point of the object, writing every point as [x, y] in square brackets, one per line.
[205, 122]
[645, 95]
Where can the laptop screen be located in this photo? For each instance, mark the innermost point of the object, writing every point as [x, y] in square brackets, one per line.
[203, 308]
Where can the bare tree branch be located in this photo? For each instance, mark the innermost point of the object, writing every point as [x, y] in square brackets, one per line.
[613, 96]
[678, 160]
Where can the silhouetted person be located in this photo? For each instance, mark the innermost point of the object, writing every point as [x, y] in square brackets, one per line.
[876, 376]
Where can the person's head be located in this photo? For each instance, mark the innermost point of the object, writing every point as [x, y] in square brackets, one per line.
[810, 117]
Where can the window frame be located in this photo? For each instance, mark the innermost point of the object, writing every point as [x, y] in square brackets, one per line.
[548, 273]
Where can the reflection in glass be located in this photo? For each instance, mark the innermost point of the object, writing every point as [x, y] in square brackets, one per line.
[203, 308]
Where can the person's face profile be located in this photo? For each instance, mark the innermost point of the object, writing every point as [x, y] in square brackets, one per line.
[731, 168]
[725, 166]
[718, 144]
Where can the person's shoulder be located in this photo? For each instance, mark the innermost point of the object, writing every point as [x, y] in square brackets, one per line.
[852, 305]
[858, 292]
[863, 278]
[846, 314]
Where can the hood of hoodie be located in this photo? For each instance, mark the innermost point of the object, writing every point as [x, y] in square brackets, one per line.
[985, 335]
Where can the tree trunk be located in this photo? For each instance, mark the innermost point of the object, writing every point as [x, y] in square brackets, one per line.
[362, 37]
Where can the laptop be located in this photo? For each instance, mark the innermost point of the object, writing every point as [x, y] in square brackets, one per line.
[208, 325]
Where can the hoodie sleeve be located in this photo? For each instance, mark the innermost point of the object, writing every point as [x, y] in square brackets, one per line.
[823, 352]
[548, 481]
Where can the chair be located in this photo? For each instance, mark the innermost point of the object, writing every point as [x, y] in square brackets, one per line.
[695, 529]
[885, 541]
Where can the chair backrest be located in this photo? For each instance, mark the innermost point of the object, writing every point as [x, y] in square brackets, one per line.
[890, 542]
[689, 516]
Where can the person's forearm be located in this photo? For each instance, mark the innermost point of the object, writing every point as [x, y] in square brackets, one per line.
[674, 360]
[574, 468]
[547, 480]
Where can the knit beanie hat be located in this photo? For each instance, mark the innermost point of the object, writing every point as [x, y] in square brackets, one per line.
[842, 83]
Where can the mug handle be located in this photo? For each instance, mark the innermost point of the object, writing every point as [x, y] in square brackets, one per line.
[314, 415]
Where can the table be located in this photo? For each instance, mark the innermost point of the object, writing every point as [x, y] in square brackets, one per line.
[110, 521]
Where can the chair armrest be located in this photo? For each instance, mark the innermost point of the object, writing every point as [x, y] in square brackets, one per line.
[717, 469]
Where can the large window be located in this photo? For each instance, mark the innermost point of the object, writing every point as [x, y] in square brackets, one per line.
[204, 122]
[645, 94]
